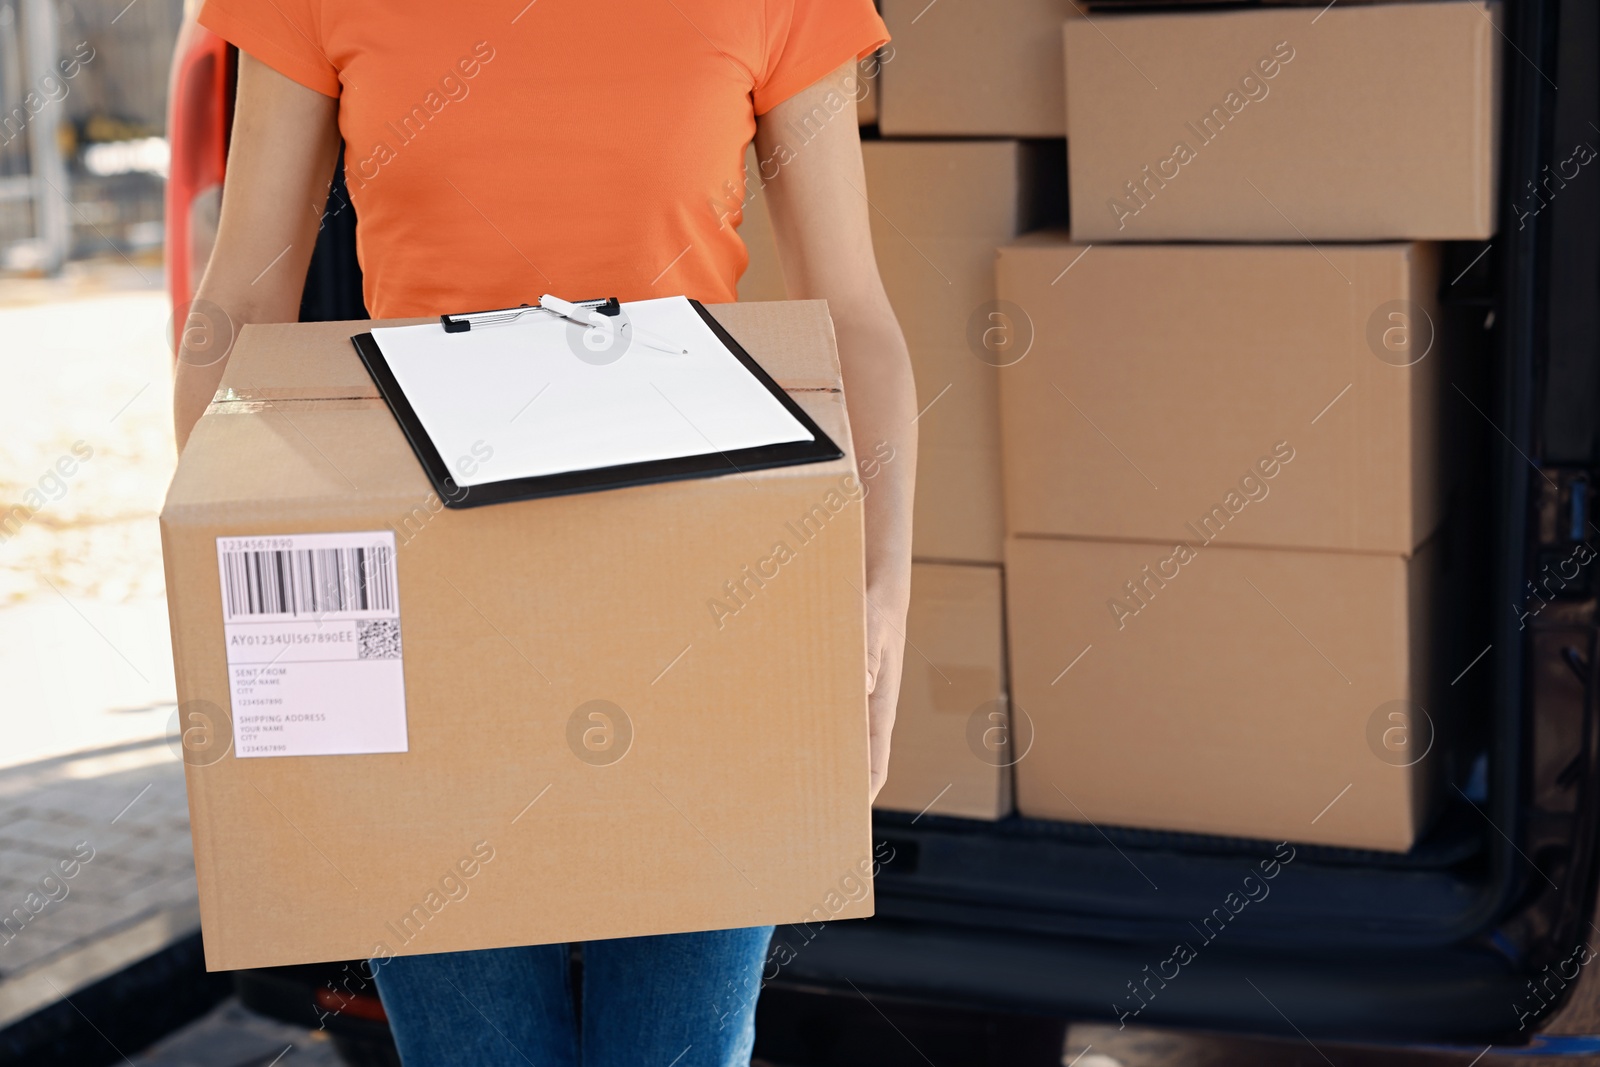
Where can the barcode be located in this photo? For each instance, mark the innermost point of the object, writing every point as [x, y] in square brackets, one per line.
[308, 581]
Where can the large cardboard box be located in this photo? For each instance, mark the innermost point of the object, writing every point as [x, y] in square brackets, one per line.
[951, 753]
[1258, 394]
[939, 208]
[624, 712]
[974, 70]
[1292, 124]
[1245, 692]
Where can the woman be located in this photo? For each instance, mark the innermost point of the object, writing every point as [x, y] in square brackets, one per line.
[498, 151]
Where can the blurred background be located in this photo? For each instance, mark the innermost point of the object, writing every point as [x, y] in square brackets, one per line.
[86, 179]
[87, 450]
[84, 314]
[106, 218]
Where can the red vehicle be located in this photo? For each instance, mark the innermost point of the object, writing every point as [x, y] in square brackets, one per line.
[1478, 936]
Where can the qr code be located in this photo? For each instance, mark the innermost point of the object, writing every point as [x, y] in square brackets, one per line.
[380, 639]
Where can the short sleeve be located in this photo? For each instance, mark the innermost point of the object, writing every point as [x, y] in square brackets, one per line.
[286, 35]
[808, 39]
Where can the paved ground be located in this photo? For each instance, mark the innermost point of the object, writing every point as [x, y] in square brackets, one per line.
[95, 870]
[95, 862]
[231, 1036]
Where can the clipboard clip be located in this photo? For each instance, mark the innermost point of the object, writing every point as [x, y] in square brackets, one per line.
[462, 323]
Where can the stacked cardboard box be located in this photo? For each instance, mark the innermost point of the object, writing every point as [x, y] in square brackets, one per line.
[951, 754]
[1163, 378]
[940, 208]
[974, 70]
[1216, 484]
[1285, 124]
[1222, 461]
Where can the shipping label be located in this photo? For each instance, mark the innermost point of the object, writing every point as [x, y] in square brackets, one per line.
[312, 625]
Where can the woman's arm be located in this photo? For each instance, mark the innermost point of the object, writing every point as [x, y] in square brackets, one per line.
[280, 159]
[819, 215]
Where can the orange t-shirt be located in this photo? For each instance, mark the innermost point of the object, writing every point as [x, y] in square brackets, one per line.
[495, 152]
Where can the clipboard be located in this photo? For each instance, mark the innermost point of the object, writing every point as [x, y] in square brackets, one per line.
[712, 463]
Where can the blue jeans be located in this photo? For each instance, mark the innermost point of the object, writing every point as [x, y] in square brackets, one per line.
[679, 1000]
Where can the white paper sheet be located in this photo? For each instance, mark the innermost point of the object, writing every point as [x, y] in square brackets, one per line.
[527, 398]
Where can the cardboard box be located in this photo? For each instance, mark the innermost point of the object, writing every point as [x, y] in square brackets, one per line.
[974, 70]
[1246, 692]
[1284, 124]
[1264, 395]
[613, 724]
[939, 210]
[951, 753]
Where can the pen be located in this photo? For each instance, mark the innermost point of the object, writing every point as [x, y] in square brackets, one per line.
[588, 317]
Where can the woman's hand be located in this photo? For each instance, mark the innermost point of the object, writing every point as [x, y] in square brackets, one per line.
[280, 161]
[886, 647]
[817, 196]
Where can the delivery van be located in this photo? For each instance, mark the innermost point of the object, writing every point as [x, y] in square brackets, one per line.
[1478, 935]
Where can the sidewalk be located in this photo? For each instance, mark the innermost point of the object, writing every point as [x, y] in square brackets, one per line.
[96, 870]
